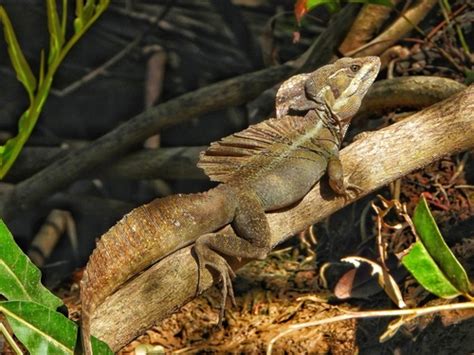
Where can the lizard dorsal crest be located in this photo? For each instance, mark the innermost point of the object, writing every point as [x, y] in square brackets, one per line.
[223, 158]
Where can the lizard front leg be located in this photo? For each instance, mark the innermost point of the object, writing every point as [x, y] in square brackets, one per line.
[336, 178]
[253, 242]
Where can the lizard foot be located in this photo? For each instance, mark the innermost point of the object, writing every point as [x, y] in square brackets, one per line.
[208, 257]
[352, 191]
[345, 188]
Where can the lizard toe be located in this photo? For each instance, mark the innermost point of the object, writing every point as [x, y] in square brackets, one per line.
[352, 191]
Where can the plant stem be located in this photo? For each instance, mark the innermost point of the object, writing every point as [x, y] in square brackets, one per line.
[10, 340]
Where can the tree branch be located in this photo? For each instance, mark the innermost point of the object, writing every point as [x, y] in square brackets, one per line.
[161, 163]
[414, 92]
[386, 155]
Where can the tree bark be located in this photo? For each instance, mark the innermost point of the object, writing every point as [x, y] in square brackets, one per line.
[383, 156]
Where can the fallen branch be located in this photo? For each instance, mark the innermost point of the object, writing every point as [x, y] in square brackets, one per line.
[161, 163]
[384, 156]
[413, 92]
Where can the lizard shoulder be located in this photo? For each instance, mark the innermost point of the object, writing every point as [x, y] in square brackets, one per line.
[223, 158]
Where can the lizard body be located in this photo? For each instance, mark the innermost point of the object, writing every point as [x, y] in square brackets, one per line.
[268, 166]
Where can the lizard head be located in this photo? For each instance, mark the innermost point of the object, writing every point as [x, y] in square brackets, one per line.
[343, 84]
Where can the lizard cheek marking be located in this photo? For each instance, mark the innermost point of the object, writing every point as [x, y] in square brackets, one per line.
[339, 104]
[336, 73]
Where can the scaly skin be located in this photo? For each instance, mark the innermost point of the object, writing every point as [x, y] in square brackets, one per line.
[266, 167]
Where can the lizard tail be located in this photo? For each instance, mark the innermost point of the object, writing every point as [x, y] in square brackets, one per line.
[144, 236]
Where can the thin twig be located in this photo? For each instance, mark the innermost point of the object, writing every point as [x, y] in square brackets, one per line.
[115, 59]
[416, 312]
[445, 21]
[99, 70]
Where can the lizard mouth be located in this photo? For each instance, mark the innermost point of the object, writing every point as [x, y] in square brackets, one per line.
[374, 67]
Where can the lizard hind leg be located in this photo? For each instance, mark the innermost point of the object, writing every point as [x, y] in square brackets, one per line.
[206, 257]
[208, 248]
[253, 241]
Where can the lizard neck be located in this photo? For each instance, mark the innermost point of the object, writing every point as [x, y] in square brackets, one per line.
[330, 120]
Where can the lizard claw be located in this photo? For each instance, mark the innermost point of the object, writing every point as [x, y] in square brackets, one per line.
[227, 290]
[345, 189]
[352, 191]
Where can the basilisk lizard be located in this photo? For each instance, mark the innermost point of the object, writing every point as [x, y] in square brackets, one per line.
[268, 166]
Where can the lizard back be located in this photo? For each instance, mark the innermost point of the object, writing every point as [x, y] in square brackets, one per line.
[290, 152]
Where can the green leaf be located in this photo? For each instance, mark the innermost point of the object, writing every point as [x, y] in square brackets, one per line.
[88, 11]
[19, 277]
[310, 4]
[56, 35]
[64, 19]
[40, 329]
[78, 21]
[375, 2]
[21, 66]
[13, 146]
[86, 15]
[41, 68]
[302, 7]
[422, 266]
[333, 6]
[434, 243]
[99, 347]
[336, 4]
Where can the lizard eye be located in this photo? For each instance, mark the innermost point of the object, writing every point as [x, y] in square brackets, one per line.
[355, 68]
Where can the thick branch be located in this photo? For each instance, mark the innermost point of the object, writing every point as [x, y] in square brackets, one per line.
[385, 155]
[414, 92]
[162, 163]
[213, 97]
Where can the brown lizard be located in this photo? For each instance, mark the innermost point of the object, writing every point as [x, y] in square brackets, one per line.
[266, 167]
